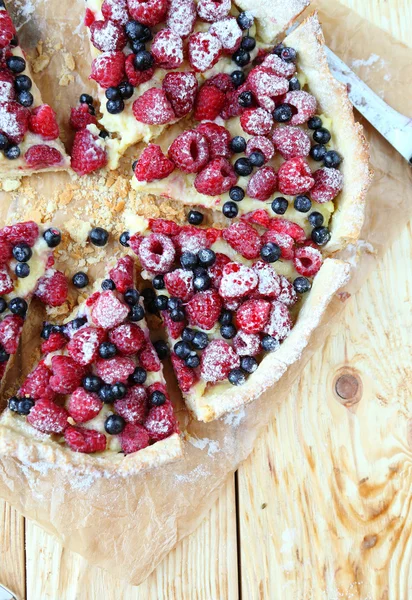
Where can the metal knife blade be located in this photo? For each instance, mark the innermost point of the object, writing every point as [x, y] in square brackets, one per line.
[395, 127]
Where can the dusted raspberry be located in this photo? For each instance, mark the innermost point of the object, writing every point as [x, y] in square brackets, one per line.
[190, 151]
[269, 281]
[238, 281]
[148, 12]
[133, 438]
[257, 217]
[6, 282]
[213, 10]
[14, 120]
[84, 345]
[153, 108]
[92, 299]
[134, 76]
[7, 91]
[279, 323]
[262, 184]
[47, 417]
[266, 86]
[115, 369]
[164, 226]
[244, 239]
[181, 90]
[80, 117]
[80, 439]
[216, 178]
[41, 156]
[55, 341]
[6, 252]
[52, 288]
[88, 153]
[218, 139]
[156, 253]
[279, 67]
[283, 240]
[108, 69]
[256, 121]
[67, 374]
[222, 81]
[294, 230]
[153, 164]
[133, 407]
[115, 10]
[229, 34]
[247, 344]
[179, 283]
[186, 377]
[128, 338]
[167, 49]
[83, 406]
[36, 385]
[231, 107]
[107, 36]
[307, 261]
[212, 235]
[43, 122]
[7, 30]
[123, 274]
[291, 142]
[203, 309]
[209, 103]
[305, 105]
[252, 316]
[181, 16]
[204, 50]
[108, 311]
[218, 359]
[295, 177]
[261, 144]
[191, 239]
[174, 328]
[287, 294]
[148, 358]
[10, 330]
[328, 184]
[161, 422]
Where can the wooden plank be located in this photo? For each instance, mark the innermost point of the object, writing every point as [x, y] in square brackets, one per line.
[12, 555]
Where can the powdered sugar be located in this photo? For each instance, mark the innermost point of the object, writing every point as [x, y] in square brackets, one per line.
[167, 48]
[280, 323]
[204, 51]
[305, 104]
[237, 281]
[291, 142]
[228, 32]
[181, 16]
[217, 360]
[213, 10]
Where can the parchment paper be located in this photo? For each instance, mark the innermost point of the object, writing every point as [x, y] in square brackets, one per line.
[128, 526]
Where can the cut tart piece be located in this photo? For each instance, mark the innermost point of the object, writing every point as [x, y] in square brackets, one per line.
[97, 399]
[155, 61]
[29, 133]
[233, 302]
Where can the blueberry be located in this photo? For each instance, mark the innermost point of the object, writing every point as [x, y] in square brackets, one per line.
[161, 349]
[112, 93]
[107, 350]
[225, 317]
[283, 113]
[177, 315]
[238, 144]
[245, 99]
[248, 43]
[182, 349]
[114, 424]
[16, 64]
[301, 285]
[25, 99]
[157, 398]
[245, 20]
[161, 302]
[236, 193]
[22, 252]
[280, 205]
[22, 270]
[200, 340]
[13, 404]
[24, 406]
[201, 282]
[248, 364]
[126, 90]
[288, 55]
[119, 390]
[192, 360]
[316, 219]
[241, 57]
[278, 49]
[315, 123]
[318, 152]
[143, 60]
[4, 142]
[136, 313]
[332, 159]
[114, 107]
[3, 305]
[80, 279]
[139, 376]
[257, 158]
[77, 323]
[99, 236]
[18, 306]
[174, 303]
[270, 252]
[320, 235]
[188, 260]
[86, 99]
[131, 297]
[206, 257]
[302, 203]
[236, 377]
[228, 331]
[269, 343]
[124, 239]
[321, 136]
[22, 83]
[195, 217]
[53, 237]
[158, 282]
[238, 77]
[137, 31]
[92, 383]
[12, 152]
[106, 394]
[294, 84]
[230, 209]
[243, 167]
[188, 334]
[4, 357]
[46, 331]
[137, 46]
[108, 284]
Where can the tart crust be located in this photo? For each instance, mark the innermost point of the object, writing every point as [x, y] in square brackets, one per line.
[273, 17]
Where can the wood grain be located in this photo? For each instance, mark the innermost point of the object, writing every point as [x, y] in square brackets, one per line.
[12, 554]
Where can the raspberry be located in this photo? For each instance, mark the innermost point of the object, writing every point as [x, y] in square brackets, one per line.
[7, 91]
[212, 235]
[41, 156]
[108, 311]
[108, 69]
[181, 16]
[115, 10]
[266, 86]
[244, 239]
[55, 341]
[148, 358]
[257, 217]
[237, 281]
[269, 281]
[190, 151]
[123, 274]
[133, 438]
[10, 331]
[167, 49]
[161, 422]
[292, 229]
[305, 105]
[153, 164]
[150, 12]
[7, 30]
[181, 90]
[107, 36]
[83, 406]
[287, 294]
[262, 184]
[253, 315]
[36, 385]
[67, 374]
[80, 117]
[164, 226]
[229, 33]
[291, 142]
[186, 377]
[52, 288]
[260, 144]
[213, 10]
[216, 270]
[216, 178]
[307, 261]
[6, 282]
[179, 283]
[128, 338]
[80, 439]
[279, 323]
[89, 17]
[208, 104]
[218, 359]
[203, 309]
[246, 344]
[92, 299]
[295, 177]
[328, 184]
[174, 328]
[6, 252]
[222, 81]
[134, 76]
[133, 407]
[153, 108]
[114, 369]
[279, 67]
[26, 232]
[204, 50]
[88, 153]
[47, 417]
[256, 121]
[218, 139]
[231, 107]
[283, 240]
[14, 121]
[84, 345]
[156, 253]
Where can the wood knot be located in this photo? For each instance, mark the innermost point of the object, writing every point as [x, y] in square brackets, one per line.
[369, 541]
[348, 386]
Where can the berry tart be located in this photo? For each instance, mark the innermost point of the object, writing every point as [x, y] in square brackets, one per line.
[97, 399]
[157, 61]
[29, 133]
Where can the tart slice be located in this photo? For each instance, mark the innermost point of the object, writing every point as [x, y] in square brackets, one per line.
[97, 398]
[239, 304]
[29, 133]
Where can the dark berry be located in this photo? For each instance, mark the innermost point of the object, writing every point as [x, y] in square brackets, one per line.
[288, 55]
[158, 282]
[13, 404]
[99, 236]
[161, 349]
[137, 46]
[192, 360]
[225, 317]
[119, 390]
[237, 377]
[12, 152]
[80, 279]
[139, 376]
[318, 152]
[195, 217]
[3, 305]
[245, 99]
[92, 383]
[53, 237]
[182, 349]
[136, 313]
[294, 84]
[126, 90]
[177, 315]
[137, 31]
[58, 329]
[188, 260]
[107, 350]
[245, 20]
[124, 239]
[112, 93]
[316, 219]
[108, 284]
[280, 205]
[188, 334]
[46, 331]
[320, 235]
[206, 257]
[241, 57]
[315, 123]
[22, 83]
[134, 165]
[278, 49]
[248, 43]
[301, 285]
[16, 64]
[248, 364]
[228, 331]
[157, 398]
[143, 60]
[114, 107]
[230, 209]
[283, 113]
[243, 167]
[22, 270]
[237, 77]
[332, 159]
[302, 203]
[238, 144]
[270, 252]
[174, 303]
[114, 424]
[200, 340]
[269, 343]
[77, 323]
[86, 99]
[321, 135]
[201, 282]
[131, 297]
[236, 193]
[4, 357]
[24, 406]
[106, 394]
[4, 142]
[18, 306]
[257, 158]
[25, 99]
[22, 252]
[161, 302]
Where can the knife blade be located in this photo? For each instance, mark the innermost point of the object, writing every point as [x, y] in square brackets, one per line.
[395, 127]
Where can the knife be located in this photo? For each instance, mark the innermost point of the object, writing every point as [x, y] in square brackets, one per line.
[6, 594]
[395, 127]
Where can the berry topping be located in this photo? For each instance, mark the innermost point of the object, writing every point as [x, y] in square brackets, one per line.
[167, 49]
[186, 376]
[216, 178]
[179, 284]
[6, 282]
[237, 281]
[279, 67]
[213, 10]
[328, 184]
[305, 106]
[67, 374]
[181, 89]
[47, 417]
[253, 315]
[287, 293]
[107, 36]
[153, 108]
[7, 30]
[204, 48]
[291, 142]
[83, 406]
[88, 153]
[108, 311]
[256, 121]
[14, 120]
[122, 274]
[262, 184]
[266, 86]
[41, 156]
[80, 439]
[128, 338]
[116, 369]
[26, 232]
[279, 323]
[81, 116]
[244, 239]
[217, 361]
[10, 330]
[218, 139]
[216, 270]
[115, 10]
[7, 91]
[307, 261]
[133, 407]
[148, 358]
[153, 164]
[229, 34]
[284, 242]
[268, 280]
[160, 422]
[52, 288]
[156, 253]
[321, 235]
[133, 438]
[108, 69]
[246, 344]
[147, 12]
[190, 151]
[209, 102]
[181, 16]
[43, 122]
[36, 385]
[295, 177]
[260, 144]
[203, 309]
[84, 345]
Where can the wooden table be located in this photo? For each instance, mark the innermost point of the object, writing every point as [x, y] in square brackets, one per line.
[357, 549]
